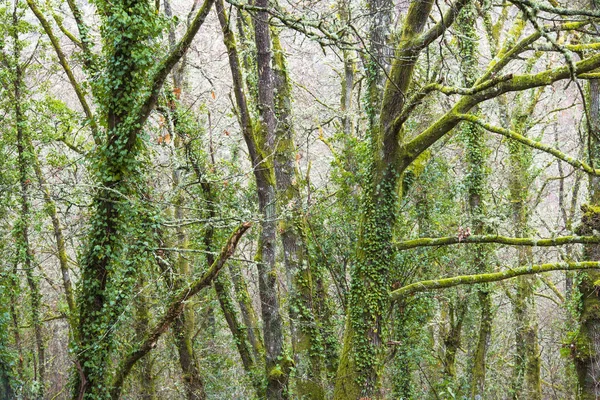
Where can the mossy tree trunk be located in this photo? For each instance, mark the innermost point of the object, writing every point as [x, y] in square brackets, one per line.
[260, 140]
[145, 375]
[587, 355]
[307, 343]
[126, 91]
[24, 252]
[360, 364]
[476, 187]
[527, 364]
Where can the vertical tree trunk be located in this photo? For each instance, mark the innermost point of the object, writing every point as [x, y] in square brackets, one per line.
[360, 363]
[307, 342]
[147, 383]
[261, 144]
[107, 274]
[526, 373]
[476, 188]
[587, 354]
[277, 362]
[25, 255]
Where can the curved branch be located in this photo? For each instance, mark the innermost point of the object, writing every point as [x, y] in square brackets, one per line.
[174, 310]
[492, 277]
[167, 64]
[65, 64]
[439, 28]
[530, 143]
[511, 241]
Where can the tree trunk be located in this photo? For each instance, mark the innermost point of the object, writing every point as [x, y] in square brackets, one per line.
[306, 335]
[360, 361]
[261, 143]
[587, 346]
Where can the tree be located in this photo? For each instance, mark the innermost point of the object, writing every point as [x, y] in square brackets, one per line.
[349, 173]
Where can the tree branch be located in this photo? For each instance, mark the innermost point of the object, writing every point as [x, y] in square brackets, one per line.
[165, 66]
[65, 64]
[491, 277]
[511, 241]
[447, 122]
[531, 143]
[557, 10]
[439, 28]
[174, 310]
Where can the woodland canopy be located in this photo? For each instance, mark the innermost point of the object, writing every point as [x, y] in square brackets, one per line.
[299, 199]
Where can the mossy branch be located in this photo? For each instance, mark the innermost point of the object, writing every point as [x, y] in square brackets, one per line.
[491, 277]
[66, 67]
[167, 64]
[511, 241]
[531, 143]
[587, 12]
[446, 123]
[175, 309]
[439, 28]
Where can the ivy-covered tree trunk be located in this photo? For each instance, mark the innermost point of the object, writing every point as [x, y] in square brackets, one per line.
[24, 252]
[7, 356]
[587, 345]
[476, 182]
[103, 267]
[360, 363]
[118, 241]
